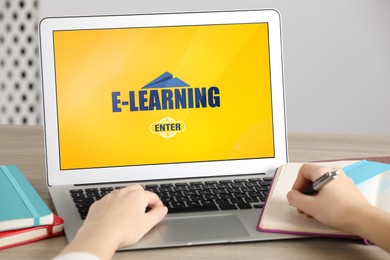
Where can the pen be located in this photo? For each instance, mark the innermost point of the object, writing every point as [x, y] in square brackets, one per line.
[320, 182]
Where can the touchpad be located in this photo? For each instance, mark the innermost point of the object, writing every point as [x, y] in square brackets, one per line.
[190, 229]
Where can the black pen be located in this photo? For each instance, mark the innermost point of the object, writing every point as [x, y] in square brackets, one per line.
[320, 182]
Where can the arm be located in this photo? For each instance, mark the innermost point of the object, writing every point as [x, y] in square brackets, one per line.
[117, 220]
[340, 205]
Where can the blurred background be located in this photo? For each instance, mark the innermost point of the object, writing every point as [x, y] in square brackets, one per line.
[336, 57]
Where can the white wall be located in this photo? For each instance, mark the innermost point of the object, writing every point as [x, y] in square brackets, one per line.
[20, 88]
[336, 55]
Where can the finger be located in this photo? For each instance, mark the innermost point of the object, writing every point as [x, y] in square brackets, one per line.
[304, 214]
[154, 216]
[313, 171]
[132, 187]
[307, 174]
[307, 215]
[300, 201]
[149, 220]
[152, 199]
[122, 191]
[300, 182]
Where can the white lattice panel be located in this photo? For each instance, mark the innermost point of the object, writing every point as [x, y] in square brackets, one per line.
[20, 92]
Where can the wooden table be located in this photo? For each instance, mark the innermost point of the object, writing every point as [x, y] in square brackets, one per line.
[23, 146]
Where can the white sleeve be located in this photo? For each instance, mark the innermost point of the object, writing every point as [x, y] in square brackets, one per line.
[77, 256]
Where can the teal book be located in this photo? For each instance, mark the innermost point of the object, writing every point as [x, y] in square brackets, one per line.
[20, 204]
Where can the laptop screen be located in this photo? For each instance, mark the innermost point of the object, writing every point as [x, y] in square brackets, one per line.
[163, 95]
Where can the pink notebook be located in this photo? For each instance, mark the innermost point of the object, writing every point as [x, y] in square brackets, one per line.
[278, 217]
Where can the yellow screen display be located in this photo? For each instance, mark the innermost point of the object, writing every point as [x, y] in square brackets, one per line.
[142, 96]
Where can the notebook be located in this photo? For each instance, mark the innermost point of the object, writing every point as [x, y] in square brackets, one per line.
[159, 98]
[21, 205]
[27, 235]
[371, 178]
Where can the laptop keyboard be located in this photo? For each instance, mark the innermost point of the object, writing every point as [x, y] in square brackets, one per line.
[191, 196]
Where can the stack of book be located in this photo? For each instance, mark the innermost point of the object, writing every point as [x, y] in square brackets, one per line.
[24, 217]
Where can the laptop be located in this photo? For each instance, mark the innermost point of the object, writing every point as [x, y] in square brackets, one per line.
[178, 101]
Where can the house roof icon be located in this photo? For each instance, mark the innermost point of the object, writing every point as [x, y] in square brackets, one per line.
[165, 80]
